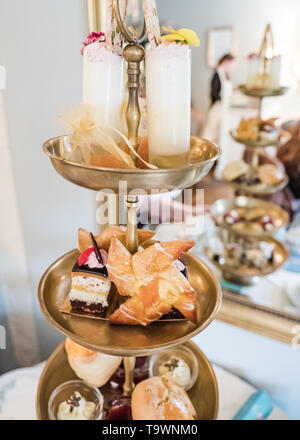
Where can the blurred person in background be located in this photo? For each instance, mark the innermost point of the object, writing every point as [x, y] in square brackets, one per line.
[220, 95]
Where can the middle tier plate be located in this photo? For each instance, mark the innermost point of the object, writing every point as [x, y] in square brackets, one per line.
[125, 340]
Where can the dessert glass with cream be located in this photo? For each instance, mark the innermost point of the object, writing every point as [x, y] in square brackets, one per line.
[75, 400]
[180, 364]
[168, 73]
[103, 83]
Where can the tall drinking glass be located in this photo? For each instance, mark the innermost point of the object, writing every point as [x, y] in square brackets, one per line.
[168, 77]
[103, 83]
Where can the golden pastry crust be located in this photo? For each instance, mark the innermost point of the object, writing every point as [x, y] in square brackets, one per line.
[161, 398]
[74, 349]
[152, 282]
[249, 129]
[119, 267]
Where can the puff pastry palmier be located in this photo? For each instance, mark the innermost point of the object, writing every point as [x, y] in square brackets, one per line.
[152, 282]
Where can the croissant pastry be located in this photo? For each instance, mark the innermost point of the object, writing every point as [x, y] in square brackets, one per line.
[152, 282]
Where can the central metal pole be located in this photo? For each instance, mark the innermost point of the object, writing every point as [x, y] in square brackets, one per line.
[129, 364]
[134, 54]
[132, 243]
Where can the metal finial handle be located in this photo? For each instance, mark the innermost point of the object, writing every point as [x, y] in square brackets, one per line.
[267, 43]
[134, 54]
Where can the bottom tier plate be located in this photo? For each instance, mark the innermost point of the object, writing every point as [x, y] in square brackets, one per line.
[126, 340]
[204, 394]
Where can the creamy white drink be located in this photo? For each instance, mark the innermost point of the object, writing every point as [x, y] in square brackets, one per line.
[103, 83]
[168, 77]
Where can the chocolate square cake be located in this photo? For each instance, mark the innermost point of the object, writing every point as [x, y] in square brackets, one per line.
[90, 283]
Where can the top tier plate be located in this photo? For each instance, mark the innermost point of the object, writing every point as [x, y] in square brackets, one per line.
[263, 93]
[141, 181]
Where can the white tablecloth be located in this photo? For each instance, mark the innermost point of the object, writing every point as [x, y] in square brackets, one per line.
[18, 390]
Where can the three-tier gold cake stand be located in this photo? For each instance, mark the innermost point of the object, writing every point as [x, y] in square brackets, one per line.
[256, 146]
[249, 196]
[130, 341]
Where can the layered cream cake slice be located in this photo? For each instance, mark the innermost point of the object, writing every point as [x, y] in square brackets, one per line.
[90, 282]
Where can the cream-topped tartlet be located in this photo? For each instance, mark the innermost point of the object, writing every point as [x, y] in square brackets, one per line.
[178, 369]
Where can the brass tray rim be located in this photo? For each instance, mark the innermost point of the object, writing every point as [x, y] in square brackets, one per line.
[46, 146]
[225, 268]
[255, 189]
[42, 376]
[188, 343]
[119, 351]
[259, 202]
[263, 92]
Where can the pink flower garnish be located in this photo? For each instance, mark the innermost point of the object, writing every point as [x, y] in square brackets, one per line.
[92, 38]
[252, 55]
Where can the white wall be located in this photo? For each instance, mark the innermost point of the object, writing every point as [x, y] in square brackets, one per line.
[249, 17]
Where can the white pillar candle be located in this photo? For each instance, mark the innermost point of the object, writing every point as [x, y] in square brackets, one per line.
[254, 70]
[276, 71]
[168, 78]
[263, 73]
[103, 83]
